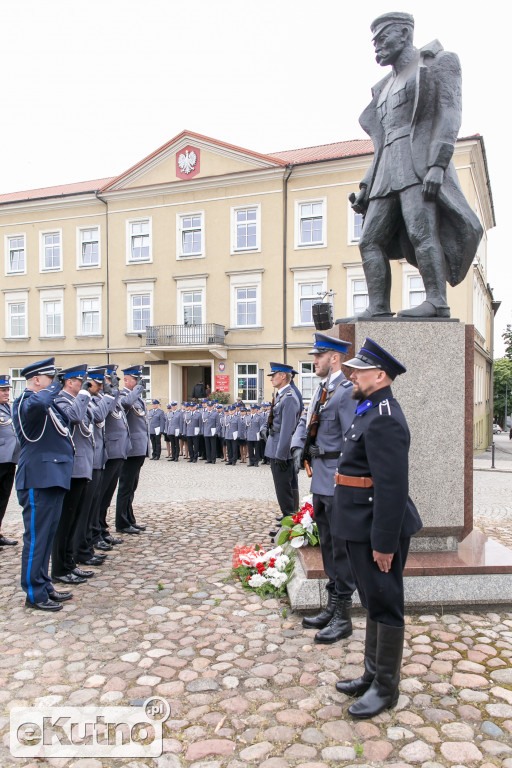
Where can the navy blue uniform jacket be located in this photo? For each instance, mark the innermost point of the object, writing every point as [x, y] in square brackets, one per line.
[377, 446]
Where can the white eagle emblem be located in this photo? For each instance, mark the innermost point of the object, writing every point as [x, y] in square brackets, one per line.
[187, 161]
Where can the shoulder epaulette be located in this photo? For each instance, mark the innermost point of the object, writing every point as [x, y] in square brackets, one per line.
[346, 383]
[384, 408]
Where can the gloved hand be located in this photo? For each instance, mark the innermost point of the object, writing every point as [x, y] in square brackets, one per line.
[86, 385]
[57, 379]
[139, 380]
[315, 451]
[296, 454]
[264, 434]
[107, 387]
[114, 381]
[282, 464]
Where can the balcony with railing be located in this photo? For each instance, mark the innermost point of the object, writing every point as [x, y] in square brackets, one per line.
[204, 335]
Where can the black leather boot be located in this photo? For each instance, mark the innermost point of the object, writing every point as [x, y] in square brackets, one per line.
[361, 684]
[296, 500]
[383, 692]
[340, 625]
[321, 619]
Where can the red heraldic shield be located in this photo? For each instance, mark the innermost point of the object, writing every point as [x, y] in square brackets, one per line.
[188, 162]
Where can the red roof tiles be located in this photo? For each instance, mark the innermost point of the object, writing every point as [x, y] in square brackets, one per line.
[325, 151]
[63, 190]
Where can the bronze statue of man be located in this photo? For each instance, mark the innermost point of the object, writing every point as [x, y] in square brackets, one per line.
[411, 198]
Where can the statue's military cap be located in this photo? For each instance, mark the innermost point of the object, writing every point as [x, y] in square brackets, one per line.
[381, 22]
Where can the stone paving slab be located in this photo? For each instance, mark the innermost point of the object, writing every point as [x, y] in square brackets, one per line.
[246, 684]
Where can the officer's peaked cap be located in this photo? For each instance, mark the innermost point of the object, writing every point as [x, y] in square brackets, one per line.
[4, 380]
[280, 367]
[111, 368]
[156, 402]
[75, 372]
[133, 370]
[41, 368]
[324, 342]
[372, 355]
[397, 17]
[97, 372]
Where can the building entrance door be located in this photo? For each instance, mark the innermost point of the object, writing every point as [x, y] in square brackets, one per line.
[196, 381]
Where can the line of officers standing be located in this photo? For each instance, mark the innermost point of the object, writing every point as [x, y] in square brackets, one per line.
[210, 431]
[75, 435]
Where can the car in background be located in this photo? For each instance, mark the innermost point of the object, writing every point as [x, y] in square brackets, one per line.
[496, 429]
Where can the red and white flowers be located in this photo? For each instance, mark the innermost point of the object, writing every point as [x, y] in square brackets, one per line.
[267, 573]
[300, 529]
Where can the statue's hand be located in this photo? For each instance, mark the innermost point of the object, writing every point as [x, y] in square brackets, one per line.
[359, 202]
[432, 183]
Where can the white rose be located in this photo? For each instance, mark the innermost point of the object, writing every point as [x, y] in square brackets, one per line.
[257, 581]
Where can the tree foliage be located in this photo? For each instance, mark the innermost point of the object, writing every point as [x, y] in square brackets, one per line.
[502, 384]
[507, 338]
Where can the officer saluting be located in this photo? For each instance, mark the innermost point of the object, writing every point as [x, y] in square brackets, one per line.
[9, 452]
[43, 477]
[335, 415]
[283, 419]
[376, 516]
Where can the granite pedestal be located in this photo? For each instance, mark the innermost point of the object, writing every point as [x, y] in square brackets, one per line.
[449, 563]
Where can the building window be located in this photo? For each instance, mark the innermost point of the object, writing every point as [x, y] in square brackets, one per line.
[310, 227]
[139, 240]
[355, 226]
[416, 291]
[360, 298]
[17, 318]
[18, 382]
[15, 255]
[246, 229]
[247, 381]
[190, 235]
[245, 291]
[52, 318]
[89, 247]
[89, 316]
[308, 380]
[309, 288]
[141, 311]
[246, 306]
[51, 251]
[192, 302]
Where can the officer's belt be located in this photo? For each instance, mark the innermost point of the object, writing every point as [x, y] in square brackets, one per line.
[354, 482]
[397, 133]
[328, 455]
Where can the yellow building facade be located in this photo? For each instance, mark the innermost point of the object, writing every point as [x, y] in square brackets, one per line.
[203, 262]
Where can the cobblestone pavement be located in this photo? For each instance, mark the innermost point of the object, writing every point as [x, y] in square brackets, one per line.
[246, 684]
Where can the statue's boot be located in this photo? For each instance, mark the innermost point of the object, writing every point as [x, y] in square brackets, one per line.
[427, 309]
[377, 273]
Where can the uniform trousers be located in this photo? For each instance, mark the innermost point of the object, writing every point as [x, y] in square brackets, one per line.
[63, 561]
[193, 446]
[175, 446]
[334, 550]
[201, 447]
[128, 481]
[253, 452]
[82, 546]
[156, 446]
[211, 448]
[283, 484]
[109, 480]
[382, 594]
[41, 513]
[7, 472]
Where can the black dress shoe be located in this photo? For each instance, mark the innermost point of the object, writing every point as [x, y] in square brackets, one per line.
[47, 605]
[92, 561]
[139, 527]
[129, 530]
[100, 555]
[111, 540]
[69, 578]
[103, 546]
[7, 542]
[60, 597]
[83, 574]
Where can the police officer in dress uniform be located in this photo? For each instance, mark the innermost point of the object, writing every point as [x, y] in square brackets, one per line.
[136, 415]
[376, 517]
[175, 429]
[9, 452]
[43, 477]
[101, 406]
[192, 428]
[285, 416]
[231, 435]
[117, 445]
[211, 422]
[253, 422]
[73, 402]
[156, 421]
[335, 417]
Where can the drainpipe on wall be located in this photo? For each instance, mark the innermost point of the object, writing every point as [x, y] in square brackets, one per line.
[107, 269]
[288, 173]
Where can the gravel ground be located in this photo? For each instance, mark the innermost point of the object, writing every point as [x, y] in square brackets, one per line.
[245, 683]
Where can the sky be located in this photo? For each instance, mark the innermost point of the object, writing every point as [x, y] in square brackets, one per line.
[90, 87]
